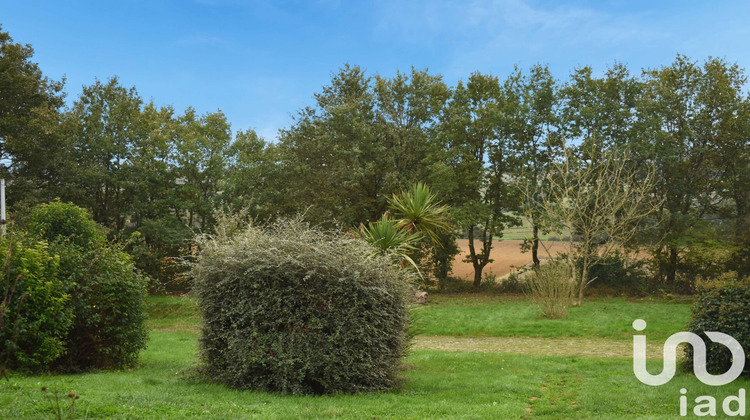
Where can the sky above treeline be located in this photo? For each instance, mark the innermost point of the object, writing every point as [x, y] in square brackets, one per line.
[261, 61]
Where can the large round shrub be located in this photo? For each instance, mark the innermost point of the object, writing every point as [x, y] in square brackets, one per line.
[107, 293]
[722, 305]
[34, 312]
[293, 309]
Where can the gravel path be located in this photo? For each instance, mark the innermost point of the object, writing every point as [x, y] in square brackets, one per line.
[574, 347]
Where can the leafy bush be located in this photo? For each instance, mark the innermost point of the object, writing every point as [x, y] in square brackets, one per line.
[618, 275]
[513, 283]
[440, 259]
[108, 295]
[157, 245]
[58, 221]
[294, 309]
[34, 316]
[722, 305]
[552, 287]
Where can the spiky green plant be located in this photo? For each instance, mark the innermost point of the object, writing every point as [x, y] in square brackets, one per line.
[420, 212]
[389, 238]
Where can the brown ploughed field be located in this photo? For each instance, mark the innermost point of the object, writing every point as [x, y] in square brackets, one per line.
[507, 255]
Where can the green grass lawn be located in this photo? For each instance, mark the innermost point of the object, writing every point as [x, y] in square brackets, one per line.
[438, 384]
[507, 316]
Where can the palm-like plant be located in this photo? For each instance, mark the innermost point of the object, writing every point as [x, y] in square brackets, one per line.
[420, 212]
[388, 237]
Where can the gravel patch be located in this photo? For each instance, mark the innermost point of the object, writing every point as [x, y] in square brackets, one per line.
[537, 346]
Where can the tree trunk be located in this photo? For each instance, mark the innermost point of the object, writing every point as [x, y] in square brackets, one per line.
[478, 276]
[742, 236]
[584, 278]
[672, 266]
[475, 260]
[535, 246]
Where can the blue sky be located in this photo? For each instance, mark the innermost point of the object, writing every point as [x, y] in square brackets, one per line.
[261, 61]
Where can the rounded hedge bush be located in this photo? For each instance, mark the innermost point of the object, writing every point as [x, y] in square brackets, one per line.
[107, 293]
[297, 310]
[722, 305]
[34, 312]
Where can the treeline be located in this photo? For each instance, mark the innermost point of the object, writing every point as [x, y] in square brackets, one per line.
[159, 174]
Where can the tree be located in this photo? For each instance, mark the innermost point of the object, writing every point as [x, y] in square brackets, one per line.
[31, 148]
[600, 111]
[331, 157]
[479, 161]
[733, 163]
[420, 212]
[254, 180]
[420, 221]
[407, 114]
[692, 122]
[104, 125]
[529, 125]
[201, 157]
[600, 201]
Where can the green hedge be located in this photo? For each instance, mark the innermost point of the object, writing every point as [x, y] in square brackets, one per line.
[107, 293]
[296, 310]
[722, 305]
[34, 309]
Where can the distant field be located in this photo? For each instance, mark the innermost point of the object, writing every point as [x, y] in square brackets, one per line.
[519, 233]
[506, 255]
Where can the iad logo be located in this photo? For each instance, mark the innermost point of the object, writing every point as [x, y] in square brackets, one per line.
[699, 357]
[708, 403]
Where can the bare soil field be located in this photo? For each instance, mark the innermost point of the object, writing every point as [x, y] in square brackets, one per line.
[507, 255]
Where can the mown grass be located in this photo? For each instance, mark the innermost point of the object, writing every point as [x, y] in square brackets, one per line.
[438, 384]
[507, 316]
[178, 313]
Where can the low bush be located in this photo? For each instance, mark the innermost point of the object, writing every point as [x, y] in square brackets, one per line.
[722, 305]
[513, 283]
[107, 294]
[34, 312]
[297, 310]
[618, 275]
[552, 287]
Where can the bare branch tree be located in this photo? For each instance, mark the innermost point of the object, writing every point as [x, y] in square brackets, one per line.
[601, 201]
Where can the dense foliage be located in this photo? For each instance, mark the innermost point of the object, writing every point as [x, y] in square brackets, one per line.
[107, 294]
[35, 313]
[722, 305]
[160, 173]
[298, 310]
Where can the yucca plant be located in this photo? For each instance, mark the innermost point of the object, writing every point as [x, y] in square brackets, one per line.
[388, 237]
[420, 212]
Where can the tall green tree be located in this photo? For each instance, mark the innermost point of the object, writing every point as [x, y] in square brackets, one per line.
[600, 112]
[31, 146]
[201, 157]
[104, 125]
[734, 160]
[407, 114]
[254, 180]
[334, 164]
[153, 213]
[530, 125]
[690, 113]
[479, 162]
